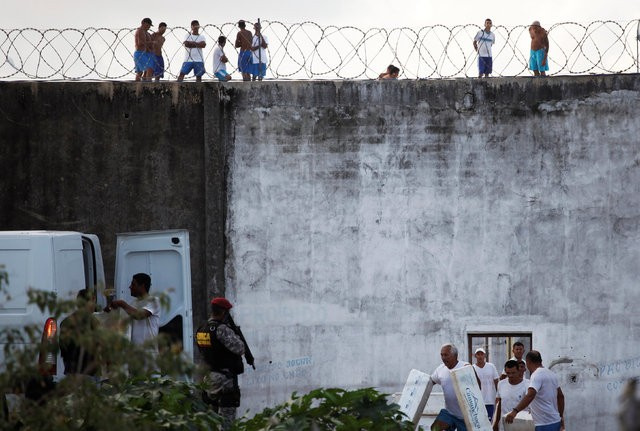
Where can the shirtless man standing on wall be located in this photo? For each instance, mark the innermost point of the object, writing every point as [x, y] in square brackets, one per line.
[539, 49]
[143, 57]
[243, 41]
[157, 41]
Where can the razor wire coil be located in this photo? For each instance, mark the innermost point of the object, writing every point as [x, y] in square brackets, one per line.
[308, 50]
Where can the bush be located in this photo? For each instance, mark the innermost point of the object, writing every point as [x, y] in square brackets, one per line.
[124, 395]
[330, 409]
[129, 396]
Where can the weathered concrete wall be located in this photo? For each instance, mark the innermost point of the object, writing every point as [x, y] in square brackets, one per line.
[370, 222]
[111, 157]
[363, 223]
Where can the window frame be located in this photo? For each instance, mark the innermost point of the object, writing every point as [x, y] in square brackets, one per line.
[509, 335]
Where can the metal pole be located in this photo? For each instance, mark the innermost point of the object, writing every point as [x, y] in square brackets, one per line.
[259, 50]
[638, 48]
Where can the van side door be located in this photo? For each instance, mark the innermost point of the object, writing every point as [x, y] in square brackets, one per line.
[164, 255]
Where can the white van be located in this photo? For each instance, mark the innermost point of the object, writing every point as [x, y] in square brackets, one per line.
[66, 262]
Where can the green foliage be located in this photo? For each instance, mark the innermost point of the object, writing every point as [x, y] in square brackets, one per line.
[126, 393]
[330, 409]
[129, 395]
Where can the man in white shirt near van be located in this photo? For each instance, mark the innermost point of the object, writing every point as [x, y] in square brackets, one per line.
[144, 313]
[510, 392]
[193, 59]
[544, 397]
[488, 375]
[220, 61]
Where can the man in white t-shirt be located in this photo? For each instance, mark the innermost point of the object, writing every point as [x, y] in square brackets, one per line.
[518, 355]
[488, 375]
[259, 49]
[544, 397]
[451, 415]
[482, 43]
[220, 61]
[144, 313]
[510, 392]
[193, 59]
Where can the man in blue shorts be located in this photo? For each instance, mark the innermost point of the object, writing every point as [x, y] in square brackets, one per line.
[193, 59]
[158, 39]
[451, 416]
[482, 43]
[142, 57]
[539, 49]
[243, 41]
[220, 61]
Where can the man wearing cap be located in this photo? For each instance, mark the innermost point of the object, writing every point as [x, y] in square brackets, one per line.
[243, 41]
[222, 351]
[488, 376]
[539, 49]
[142, 56]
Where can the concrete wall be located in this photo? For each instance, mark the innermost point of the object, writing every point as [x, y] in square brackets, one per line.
[370, 222]
[112, 157]
[357, 226]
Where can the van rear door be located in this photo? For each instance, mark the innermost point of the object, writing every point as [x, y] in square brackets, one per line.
[164, 255]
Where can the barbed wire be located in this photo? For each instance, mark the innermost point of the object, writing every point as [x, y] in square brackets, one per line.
[309, 51]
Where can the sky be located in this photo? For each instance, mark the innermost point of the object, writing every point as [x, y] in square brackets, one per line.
[359, 13]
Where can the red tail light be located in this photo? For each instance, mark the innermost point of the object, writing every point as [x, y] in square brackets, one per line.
[48, 348]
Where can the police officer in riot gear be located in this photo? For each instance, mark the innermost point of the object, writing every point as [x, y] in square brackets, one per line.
[222, 345]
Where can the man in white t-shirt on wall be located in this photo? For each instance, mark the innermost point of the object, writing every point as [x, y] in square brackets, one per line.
[482, 43]
[144, 313]
[193, 59]
[510, 392]
[220, 61]
[544, 397]
[259, 50]
[451, 415]
[488, 375]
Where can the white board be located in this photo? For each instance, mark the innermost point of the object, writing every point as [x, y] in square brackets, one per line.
[470, 399]
[522, 422]
[415, 395]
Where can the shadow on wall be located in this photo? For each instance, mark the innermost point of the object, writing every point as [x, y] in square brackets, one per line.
[629, 414]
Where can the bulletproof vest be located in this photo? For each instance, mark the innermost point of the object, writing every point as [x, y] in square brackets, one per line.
[215, 354]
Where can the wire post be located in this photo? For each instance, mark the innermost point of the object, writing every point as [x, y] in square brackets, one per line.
[259, 49]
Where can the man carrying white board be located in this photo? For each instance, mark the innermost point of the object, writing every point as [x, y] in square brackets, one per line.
[544, 396]
[449, 418]
[510, 392]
